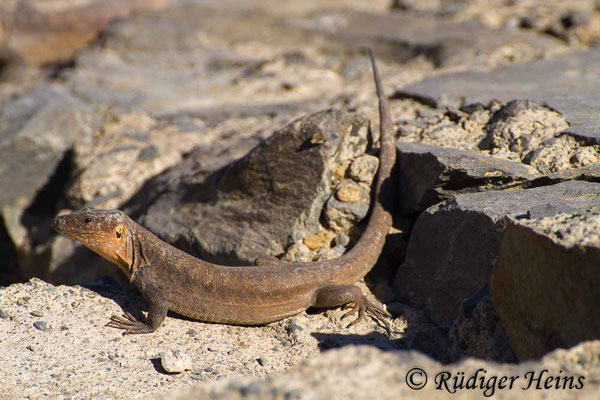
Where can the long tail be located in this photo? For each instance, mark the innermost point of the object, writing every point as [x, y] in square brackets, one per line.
[363, 256]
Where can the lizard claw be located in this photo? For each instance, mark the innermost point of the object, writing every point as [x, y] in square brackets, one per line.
[128, 323]
[363, 307]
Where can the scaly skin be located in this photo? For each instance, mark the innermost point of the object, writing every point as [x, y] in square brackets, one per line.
[170, 279]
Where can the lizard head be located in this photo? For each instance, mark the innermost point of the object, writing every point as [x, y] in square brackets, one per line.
[106, 232]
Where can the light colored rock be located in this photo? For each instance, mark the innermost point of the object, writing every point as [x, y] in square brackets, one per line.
[364, 168]
[349, 192]
[362, 372]
[175, 361]
[130, 149]
[91, 360]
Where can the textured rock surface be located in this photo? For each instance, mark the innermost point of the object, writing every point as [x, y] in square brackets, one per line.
[78, 356]
[478, 331]
[402, 36]
[430, 174]
[215, 78]
[454, 246]
[545, 286]
[37, 132]
[359, 372]
[568, 84]
[268, 200]
[130, 149]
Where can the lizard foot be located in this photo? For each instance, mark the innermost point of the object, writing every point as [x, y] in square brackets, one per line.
[364, 306]
[129, 324]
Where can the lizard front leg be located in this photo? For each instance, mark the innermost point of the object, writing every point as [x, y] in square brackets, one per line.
[340, 295]
[157, 312]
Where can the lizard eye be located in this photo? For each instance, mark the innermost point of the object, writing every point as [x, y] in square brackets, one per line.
[119, 233]
[88, 220]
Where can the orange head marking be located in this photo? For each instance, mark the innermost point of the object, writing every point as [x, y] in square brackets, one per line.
[106, 232]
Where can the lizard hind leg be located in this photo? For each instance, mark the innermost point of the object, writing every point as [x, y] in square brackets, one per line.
[341, 295]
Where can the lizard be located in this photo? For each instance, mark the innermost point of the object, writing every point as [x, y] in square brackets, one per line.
[270, 290]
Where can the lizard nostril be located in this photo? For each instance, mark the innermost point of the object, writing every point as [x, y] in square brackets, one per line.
[57, 223]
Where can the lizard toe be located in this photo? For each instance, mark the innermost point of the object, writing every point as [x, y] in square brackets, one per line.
[128, 324]
[364, 307]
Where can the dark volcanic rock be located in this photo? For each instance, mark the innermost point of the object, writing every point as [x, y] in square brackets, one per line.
[478, 331]
[454, 245]
[545, 286]
[569, 84]
[266, 201]
[430, 174]
[37, 130]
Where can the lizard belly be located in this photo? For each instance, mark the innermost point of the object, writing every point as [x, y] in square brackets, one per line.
[240, 313]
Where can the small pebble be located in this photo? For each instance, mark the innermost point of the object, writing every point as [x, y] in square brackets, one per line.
[149, 153]
[196, 376]
[3, 314]
[23, 300]
[41, 325]
[261, 361]
[191, 332]
[363, 168]
[293, 328]
[348, 192]
[175, 361]
[37, 313]
[30, 347]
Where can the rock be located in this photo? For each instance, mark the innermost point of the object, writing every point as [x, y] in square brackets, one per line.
[364, 168]
[454, 245]
[88, 357]
[521, 126]
[567, 84]
[409, 374]
[261, 361]
[544, 286]
[266, 201]
[402, 36]
[430, 174]
[131, 148]
[41, 325]
[40, 126]
[200, 76]
[347, 207]
[318, 240]
[478, 332]
[349, 192]
[43, 34]
[175, 361]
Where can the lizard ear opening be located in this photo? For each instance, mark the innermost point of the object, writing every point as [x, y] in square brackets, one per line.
[119, 231]
[125, 251]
